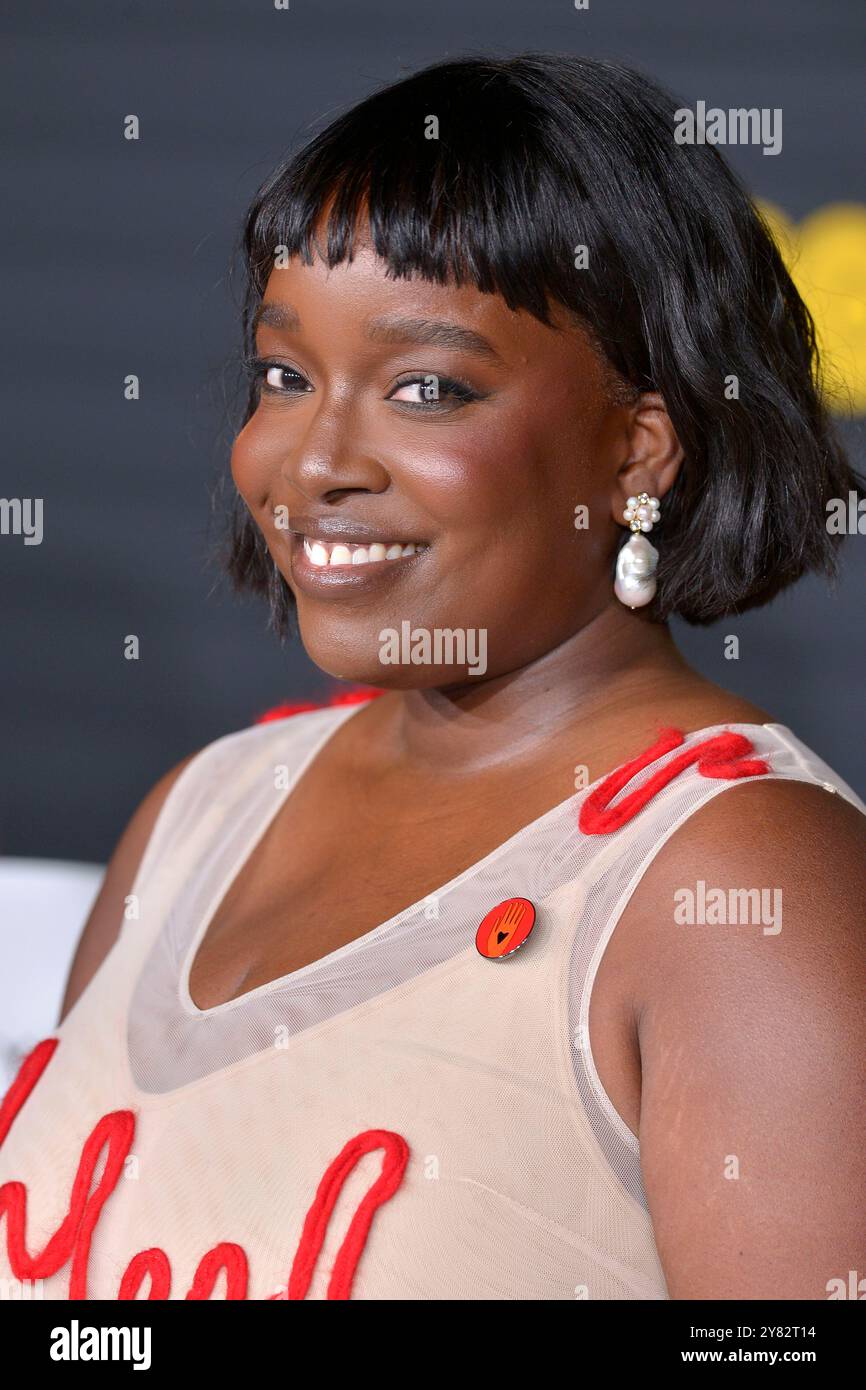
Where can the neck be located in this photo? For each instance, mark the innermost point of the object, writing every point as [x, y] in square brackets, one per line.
[595, 676]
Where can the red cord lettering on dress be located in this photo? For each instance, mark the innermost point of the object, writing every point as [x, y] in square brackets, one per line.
[723, 755]
[316, 1223]
[71, 1241]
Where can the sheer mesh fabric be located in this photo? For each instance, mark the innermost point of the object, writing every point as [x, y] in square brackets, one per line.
[522, 1182]
[217, 818]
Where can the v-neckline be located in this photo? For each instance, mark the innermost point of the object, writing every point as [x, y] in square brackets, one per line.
[185, 1000]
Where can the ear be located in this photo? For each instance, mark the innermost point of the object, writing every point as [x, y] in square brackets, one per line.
[654, 454]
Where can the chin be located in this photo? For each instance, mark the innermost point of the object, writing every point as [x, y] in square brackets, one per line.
[358, 663]
[392, 653]
[358, 672]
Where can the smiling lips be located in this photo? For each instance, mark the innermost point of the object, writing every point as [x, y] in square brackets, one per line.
[331, 554]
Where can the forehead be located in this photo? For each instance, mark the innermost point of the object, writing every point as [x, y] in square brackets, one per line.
[349, 296]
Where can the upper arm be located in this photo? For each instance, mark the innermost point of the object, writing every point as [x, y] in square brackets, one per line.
[106, 916]
[752, 1042]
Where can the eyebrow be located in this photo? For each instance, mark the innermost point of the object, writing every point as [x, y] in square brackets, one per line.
[277, 316]
[388, 329]
[437, 332]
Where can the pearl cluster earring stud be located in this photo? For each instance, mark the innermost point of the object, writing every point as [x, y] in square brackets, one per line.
[642, 512]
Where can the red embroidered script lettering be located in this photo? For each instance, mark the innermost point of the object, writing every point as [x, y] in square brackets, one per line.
[153, 1262]
[72, 1239]
[724, 755]
[316, 1223]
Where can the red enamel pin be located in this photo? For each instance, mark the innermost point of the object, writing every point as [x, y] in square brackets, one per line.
[505, 928]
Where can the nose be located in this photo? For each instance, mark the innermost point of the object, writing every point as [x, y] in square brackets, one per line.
[331, 454]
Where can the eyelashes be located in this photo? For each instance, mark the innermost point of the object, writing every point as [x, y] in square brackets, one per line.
[437, 392]
[433, 388]
[257, 368]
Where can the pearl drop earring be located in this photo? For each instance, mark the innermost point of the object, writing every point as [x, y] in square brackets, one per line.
[636, 562]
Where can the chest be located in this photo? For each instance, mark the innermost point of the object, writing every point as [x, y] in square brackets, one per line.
[330, 869]
[336, 863]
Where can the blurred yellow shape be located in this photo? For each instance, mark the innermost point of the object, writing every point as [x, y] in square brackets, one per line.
[826, 257]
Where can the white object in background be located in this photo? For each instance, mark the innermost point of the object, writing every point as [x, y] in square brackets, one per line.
[44, 904]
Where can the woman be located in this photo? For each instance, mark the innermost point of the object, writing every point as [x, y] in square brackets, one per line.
[539, 976]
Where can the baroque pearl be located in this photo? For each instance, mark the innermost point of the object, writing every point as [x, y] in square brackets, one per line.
[635, 583]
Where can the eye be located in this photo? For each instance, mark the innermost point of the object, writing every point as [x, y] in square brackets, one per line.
[430, 392]
[275, 378]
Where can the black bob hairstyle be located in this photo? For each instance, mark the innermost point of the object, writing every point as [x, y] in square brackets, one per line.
[684, 287]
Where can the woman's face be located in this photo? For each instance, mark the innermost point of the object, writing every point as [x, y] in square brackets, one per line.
[400, 412]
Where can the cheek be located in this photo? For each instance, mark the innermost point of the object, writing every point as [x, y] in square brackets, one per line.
[509, 485]
[252, 461]
[501, 502]
[479, 481]
[519, 490]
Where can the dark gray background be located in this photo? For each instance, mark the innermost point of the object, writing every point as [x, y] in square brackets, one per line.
[115, 261]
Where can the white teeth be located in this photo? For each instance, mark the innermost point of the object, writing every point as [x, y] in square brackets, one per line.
[316, 553]
[322, 554]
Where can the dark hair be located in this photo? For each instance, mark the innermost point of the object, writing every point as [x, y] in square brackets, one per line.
[684, 287]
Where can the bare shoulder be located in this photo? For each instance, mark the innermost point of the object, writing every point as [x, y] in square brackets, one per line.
[103, 924]
[792, 835]
[748, 928]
